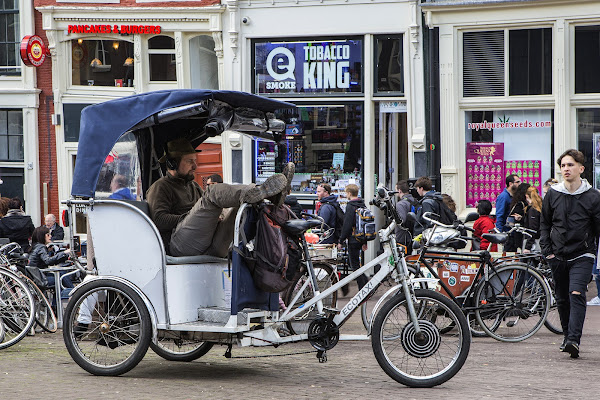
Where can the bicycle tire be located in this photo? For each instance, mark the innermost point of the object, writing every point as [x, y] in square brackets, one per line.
[17, 308]
[420, 363]
[172, 346]
[44, 316]
[552, 321]
[120, 331]
[518, 297]
[326, 277]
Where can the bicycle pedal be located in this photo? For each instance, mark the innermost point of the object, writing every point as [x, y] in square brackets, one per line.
[331, 310]
[322, 356]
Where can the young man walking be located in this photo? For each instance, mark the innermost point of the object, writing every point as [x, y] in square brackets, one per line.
[570, 226]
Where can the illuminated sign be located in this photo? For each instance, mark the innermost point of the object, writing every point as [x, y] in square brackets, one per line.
[33, 51]
[120, 29]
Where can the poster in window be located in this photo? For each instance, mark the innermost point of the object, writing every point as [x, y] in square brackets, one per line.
[597, 176]
[596, 148]
[530, 171]
[485, 172]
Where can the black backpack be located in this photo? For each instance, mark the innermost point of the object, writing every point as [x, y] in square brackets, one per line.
[276, 257]
[447, 217]
[339, 218]
[414, 207]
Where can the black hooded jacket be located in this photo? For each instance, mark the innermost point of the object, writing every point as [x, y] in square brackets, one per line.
[350, 221]
[17, 227]
[570, 223]
[292, 203]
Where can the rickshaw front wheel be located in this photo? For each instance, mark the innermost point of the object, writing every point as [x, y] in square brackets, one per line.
[107, 327]
[173, 346]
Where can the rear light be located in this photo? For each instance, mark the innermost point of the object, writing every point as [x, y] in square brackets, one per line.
[65, 218]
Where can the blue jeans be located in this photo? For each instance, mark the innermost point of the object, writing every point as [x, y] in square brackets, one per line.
[569, 277]
[66, 282]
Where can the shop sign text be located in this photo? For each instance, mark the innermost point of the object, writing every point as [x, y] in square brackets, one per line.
[120, 29]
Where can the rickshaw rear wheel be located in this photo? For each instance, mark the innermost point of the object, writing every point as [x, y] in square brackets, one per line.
[120, 331]
[173, 347]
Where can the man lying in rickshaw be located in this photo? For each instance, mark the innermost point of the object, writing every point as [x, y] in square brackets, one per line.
[188, 217]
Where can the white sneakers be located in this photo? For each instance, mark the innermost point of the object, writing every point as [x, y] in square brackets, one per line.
[594, 302]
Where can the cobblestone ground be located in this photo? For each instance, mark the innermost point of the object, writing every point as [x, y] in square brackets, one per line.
[39, 367]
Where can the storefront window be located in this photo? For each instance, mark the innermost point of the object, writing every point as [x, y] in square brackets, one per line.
[325, 143]
[11, 183]
[388, 64]
[9, 38]
[499, 143]
[588, 138]
[161, 54]
[11, 135]
[102, 63]
[72, 116]
[587, 58]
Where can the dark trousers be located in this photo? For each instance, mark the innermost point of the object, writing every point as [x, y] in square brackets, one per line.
[354, 260]
[569, 277]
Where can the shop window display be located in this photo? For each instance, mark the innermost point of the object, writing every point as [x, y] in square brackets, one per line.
[102, 63]
[588, 138]
[499, 143]
[325, 143]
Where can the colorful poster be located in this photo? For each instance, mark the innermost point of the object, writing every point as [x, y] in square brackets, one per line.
[530, 171]
[485, 172]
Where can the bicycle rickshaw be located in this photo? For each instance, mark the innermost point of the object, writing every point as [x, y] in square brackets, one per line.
[182, 306]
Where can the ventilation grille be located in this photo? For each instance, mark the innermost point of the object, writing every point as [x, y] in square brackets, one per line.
[483, 64]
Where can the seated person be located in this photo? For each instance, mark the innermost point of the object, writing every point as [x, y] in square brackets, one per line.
[16, 226]
[119, 189]
[56, 231]
[188, 217]
[39, 256]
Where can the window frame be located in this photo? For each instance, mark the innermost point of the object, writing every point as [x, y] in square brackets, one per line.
[376, 92]
[16, 69]
[172, 52]
[9, 135]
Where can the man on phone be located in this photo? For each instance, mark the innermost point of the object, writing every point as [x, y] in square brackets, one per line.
[569, 229]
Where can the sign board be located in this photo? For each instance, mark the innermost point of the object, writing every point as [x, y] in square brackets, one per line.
[308, 67]
[33, 51]
[392, 106]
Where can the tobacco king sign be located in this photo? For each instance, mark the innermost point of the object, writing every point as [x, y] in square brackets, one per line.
[308, 67]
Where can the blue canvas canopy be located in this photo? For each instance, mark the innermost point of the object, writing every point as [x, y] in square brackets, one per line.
[103, 124]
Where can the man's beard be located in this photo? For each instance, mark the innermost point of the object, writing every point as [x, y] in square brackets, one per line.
[188, 178]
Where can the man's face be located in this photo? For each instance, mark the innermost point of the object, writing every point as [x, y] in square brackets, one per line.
[571, 169]
[421, 191]
[512, 187]
[321, 192]
[49, 222]
[187, 166]
[399, 194]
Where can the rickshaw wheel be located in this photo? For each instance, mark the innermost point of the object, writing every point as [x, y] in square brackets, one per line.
[173, 347]
[120, 331]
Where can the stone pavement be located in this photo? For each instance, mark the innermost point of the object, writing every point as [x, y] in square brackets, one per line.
[39, 367]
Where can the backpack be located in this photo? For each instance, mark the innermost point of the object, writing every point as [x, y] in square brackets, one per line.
[414, 208]
[447, 217]
[339, 219]
[364, 228]
[275, 259]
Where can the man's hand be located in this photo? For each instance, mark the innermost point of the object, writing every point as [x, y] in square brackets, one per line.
[365, 247]
[526, 251]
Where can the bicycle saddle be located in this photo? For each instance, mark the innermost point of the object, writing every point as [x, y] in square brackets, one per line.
[296, 227]
[495, 238]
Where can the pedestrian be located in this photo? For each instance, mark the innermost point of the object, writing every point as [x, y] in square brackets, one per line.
[330, 211]
[3, 206]
[484, 224]
[570, 227]
[433, 202]
[354, 246]
[516, 215]
[503, 205]
[549, 182]
[532, 219]
[119, 189]
[15, 225]
[406, 203]
[294, 205]
[214, 178]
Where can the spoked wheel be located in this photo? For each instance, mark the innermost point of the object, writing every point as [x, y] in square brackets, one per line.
[418, 360]
[513, 304]
[17, 309]
[44, 316]
[552, 321]
[174, 346]
[119, 333]
[326, 277]
[367, 309]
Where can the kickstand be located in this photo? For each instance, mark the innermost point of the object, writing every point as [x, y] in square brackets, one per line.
[228, 351]
[322, 356]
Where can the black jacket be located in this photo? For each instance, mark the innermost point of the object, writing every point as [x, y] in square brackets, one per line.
[570, 223]
[17, 227]
[429, 203]
[292, 203]
[532, 221]
[40, 258]
[57, 232]
[350, 221]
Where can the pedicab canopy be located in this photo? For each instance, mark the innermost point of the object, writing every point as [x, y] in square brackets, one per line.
[161, 116]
